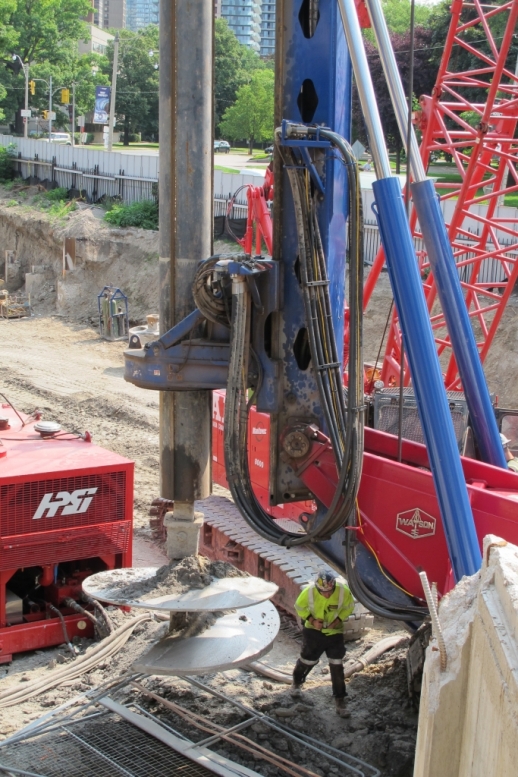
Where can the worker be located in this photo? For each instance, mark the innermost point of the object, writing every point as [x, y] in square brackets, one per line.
[512, 461]
[323, 607]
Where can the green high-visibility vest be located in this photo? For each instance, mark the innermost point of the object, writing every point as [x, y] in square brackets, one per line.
[339, 605]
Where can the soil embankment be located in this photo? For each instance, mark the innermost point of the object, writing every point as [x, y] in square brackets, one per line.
[126, 258]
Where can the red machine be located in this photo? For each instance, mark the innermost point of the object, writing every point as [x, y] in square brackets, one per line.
[258, 459]
[65, 513]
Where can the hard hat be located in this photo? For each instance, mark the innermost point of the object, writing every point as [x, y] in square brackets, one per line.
[503, 439]
[325, 581]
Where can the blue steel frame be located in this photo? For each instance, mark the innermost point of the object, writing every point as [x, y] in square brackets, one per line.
[289, 392]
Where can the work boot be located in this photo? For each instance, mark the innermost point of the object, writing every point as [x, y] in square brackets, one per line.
[341, 709]
[296, 690]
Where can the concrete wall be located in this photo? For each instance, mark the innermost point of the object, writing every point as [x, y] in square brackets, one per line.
[468, 718]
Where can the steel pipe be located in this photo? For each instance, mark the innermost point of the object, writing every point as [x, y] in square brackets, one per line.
[441, 258]
[368, 101]
[395, 86]
[409, 297]
[465, 348]
[432, 404]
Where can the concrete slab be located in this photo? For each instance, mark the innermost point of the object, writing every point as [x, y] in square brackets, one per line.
[233, 641]
[228, 593]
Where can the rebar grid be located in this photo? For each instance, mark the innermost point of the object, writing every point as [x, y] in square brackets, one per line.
[106, 747]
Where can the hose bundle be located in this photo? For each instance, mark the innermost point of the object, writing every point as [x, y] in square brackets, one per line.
[343, 422]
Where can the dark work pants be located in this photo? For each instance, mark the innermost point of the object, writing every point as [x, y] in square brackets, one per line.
[314, 643]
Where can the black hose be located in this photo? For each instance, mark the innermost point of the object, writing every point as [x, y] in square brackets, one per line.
[64, 627]
[345, 423]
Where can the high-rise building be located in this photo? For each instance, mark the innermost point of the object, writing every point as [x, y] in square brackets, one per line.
[95, 16]
[267, 28]
[114, 14]
[98, 12]
[140, 13]
[244, 19]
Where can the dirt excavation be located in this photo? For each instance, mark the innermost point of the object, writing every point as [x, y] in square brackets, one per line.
[56, 361]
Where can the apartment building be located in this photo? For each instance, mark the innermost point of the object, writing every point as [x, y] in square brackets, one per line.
[244, 19]
[267, 28]
[114, 14]
[141, 13]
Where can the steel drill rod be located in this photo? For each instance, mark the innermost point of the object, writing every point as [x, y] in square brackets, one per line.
[395, 87]
[441, 259]
[407, 288]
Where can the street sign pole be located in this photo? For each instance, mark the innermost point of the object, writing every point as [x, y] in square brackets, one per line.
[73, 112]
[25, 119]
[50, 109]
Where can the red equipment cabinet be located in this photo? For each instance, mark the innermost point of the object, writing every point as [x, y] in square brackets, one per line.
[66, 510]
[258, 459]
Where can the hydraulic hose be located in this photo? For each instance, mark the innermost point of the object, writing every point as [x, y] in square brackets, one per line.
[93, 656]
[344, 423]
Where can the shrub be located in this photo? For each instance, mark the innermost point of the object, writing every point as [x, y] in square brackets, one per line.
[134, 137]
[60, 194]
[7, 154]
[139, 214]
[90, 137]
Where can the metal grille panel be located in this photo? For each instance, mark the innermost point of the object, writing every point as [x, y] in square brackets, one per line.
[106, 747]
[55, 547]
[386, 414]
[19, 502]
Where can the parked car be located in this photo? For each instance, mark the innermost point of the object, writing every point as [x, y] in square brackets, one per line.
[63, 138]
[224, 146]
[268, 150]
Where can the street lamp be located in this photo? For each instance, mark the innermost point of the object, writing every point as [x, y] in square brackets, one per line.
[25, 67]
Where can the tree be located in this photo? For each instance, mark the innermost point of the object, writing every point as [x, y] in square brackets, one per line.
[8, 35]
[8, 40]
[42, 31]
[251, 116]
[136, 105]
[425, 74]
[234, 65]
[397, 14]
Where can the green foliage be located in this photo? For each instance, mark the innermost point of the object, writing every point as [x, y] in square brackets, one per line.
[59, 210]
[44, 33]
[234, 65]
[137, 83]
[6, 166]
[397, 14]
[251, 116]
[142, 214]
[471, 117]
[56, 195]
[8, 41]
[134, 137]
[8, 34]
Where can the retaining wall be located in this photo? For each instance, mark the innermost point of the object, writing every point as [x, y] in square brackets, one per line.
[468, 718]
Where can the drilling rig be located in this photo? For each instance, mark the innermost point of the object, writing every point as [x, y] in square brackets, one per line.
[269, 330]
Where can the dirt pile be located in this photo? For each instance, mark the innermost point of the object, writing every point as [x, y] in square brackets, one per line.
[175, 579]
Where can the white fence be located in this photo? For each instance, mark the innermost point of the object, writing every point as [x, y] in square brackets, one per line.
[132, 177]
[127, 176]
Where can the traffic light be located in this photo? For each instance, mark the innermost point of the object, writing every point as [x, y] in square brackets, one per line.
[45, 115]
[65, 96]
[32, 87]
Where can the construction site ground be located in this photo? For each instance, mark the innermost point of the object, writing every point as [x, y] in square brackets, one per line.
[65, 369]
[58, 363]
